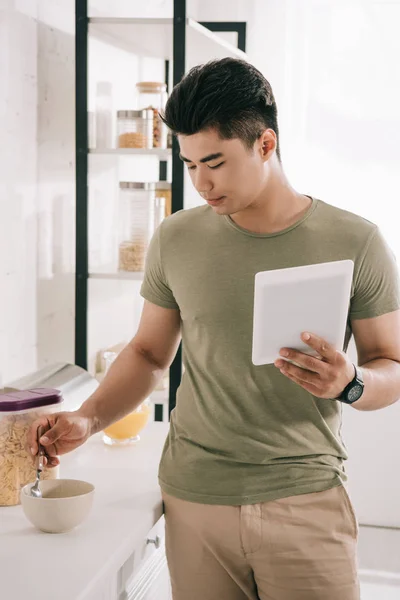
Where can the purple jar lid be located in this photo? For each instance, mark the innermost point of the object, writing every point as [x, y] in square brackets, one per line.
[26, 399]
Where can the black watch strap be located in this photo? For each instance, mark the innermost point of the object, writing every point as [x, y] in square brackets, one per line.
[354, 390]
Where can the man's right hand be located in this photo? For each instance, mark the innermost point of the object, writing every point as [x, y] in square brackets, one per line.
[62, 432]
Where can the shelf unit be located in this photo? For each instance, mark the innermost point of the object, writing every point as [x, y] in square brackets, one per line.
[154, 38]
[159, 152]
[182, 43]
[110, 274]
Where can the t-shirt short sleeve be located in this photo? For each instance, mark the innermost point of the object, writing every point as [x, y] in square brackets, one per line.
[155, 287]
[376, 286]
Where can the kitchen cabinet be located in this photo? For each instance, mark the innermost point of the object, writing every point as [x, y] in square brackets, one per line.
[151, 580]
[118, 553]
[143, 576]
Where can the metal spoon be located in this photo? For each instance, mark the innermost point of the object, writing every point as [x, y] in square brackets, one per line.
[35, 490]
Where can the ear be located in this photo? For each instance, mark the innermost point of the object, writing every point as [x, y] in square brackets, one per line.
[267, 144]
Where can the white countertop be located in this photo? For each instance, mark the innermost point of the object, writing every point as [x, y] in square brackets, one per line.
[127, 504]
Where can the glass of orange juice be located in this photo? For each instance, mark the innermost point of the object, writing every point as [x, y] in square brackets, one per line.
[126, 431]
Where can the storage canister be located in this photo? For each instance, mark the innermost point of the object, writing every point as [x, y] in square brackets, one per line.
[136, 224]
[135, 128]
[163, 190]
[18, 410]
[153, 95]
[104, 115]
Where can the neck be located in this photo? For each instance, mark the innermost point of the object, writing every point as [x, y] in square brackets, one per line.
[276, 208]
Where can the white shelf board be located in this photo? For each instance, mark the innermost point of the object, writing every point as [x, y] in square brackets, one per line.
[121, 275]
[153, 37]
[163, 154]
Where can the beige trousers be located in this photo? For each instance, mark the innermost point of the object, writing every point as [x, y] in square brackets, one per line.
[297, 548]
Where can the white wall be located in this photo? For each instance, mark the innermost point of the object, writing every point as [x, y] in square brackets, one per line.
[37, 185]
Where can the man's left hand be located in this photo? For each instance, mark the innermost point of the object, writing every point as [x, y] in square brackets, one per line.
[324, 376]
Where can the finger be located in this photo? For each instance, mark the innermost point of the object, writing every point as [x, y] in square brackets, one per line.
[60, 428]
[48, 461]
[301, 374]
[51, 451]
[311, 363]
[32, 438]
[326, 350]
[312, 389]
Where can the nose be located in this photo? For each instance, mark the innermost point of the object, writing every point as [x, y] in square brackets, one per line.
[202, 182]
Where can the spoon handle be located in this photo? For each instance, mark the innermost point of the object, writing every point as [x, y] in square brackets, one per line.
[41, 452]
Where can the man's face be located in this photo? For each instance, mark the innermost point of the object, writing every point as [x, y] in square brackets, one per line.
[228, 175]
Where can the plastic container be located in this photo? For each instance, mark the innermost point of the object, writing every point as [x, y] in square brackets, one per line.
[136, 224]
[152, 94]
[104, 118]
[135, 128]
[159, 211]
[163, 190]
[18, 410]
[126, 430]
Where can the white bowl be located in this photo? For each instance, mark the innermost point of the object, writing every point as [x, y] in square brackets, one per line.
[65, 504]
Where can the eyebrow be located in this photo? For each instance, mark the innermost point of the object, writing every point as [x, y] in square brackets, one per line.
[205, 159]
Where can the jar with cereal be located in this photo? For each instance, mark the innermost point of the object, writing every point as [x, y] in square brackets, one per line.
[18, 410]
[135, 128]
[153, 95]
[136, 224]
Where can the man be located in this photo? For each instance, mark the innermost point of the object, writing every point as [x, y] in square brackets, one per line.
[252, 470]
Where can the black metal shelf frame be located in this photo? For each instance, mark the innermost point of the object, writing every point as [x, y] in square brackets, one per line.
[81, 214]
[81, 132]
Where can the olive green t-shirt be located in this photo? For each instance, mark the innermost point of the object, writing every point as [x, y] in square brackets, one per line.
[242, 434]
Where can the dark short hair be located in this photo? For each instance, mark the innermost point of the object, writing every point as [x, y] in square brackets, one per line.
[229, 95]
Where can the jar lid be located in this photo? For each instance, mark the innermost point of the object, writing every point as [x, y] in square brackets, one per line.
[135, 114]
[134, 185]
[151, 86]
[163, 185]
[26, 399]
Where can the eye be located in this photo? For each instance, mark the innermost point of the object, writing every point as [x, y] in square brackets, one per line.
[216, 166]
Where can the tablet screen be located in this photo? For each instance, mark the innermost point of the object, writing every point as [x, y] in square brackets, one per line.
[287, 302]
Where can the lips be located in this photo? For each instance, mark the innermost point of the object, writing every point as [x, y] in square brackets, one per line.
[215, 200]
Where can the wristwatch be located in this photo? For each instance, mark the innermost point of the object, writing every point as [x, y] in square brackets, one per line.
[354, 390]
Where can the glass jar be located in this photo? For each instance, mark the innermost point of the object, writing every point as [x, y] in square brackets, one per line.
[163, 190]
[109, 358]
[136, 224]
[104, 118]
[18, 410]
[126, 430]
[159, 211]
[154, 95]
[135, 128]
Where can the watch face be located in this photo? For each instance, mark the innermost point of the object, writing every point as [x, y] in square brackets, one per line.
[355, 393]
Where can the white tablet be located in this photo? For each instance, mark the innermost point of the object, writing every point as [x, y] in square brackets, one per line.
[312, 298]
